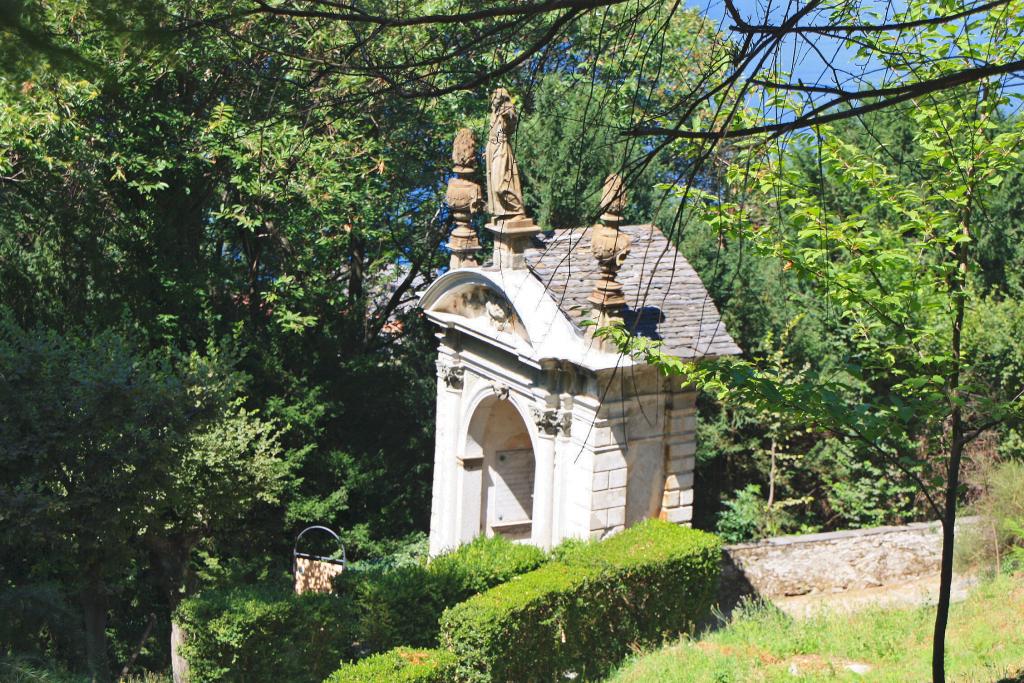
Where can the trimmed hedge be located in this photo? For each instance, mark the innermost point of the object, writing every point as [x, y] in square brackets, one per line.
[487, 562]
[583, 614]
[267, 633]
[401, 606]
[401, 665]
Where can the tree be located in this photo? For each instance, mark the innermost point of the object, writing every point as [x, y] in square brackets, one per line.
[897, 277]
[437, 49]
[172, 182]
[106, 453]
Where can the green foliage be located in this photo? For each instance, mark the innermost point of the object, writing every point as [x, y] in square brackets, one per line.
[746, 517]
[584, 613]
[400, 605]
[761, 643]
[888, 266]
[109, 453]
[24, 670]
[234, 633]
[266, 632]
[400, 665]
[996, 540]
[894, 275]
[994, 329]
[825, 482]
[39, 622]
[487, 562]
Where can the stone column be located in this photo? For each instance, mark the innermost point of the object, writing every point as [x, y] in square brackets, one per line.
[443, 534]
[548, 424]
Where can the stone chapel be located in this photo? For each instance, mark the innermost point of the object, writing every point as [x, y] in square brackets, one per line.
[545, 432]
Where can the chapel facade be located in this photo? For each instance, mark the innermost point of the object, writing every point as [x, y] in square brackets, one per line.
[545, 432]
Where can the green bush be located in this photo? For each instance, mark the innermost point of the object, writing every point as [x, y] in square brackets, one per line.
[236, 634]
[583, 614]
[265, 633]
[748, 517]
[402, 605]
[401, 665]
[487, 562]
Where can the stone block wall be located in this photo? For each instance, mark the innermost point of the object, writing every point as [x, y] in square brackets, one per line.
[680, 459]
[643, 449]
[831, 562]
[608, 483]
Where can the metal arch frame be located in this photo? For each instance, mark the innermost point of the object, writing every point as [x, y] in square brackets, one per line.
[309, 556]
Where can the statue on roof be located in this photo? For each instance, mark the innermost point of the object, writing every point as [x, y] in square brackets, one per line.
[504, 189]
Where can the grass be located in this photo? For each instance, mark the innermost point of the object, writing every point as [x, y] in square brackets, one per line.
[984, 644]
[14, 669]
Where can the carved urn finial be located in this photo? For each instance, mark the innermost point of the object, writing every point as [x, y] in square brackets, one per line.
[465, 198]
[613, 200]
[610, 247]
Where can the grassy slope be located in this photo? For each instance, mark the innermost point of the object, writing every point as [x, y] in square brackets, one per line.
[985, 642]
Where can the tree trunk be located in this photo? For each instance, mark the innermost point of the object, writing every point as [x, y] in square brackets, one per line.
[171, 554]
[94, 612]
[126, 669]
[956, 448]
[179, 665]
[948, 538]
[356, 266]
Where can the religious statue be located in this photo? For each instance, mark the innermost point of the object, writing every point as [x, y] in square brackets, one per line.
[504, 190]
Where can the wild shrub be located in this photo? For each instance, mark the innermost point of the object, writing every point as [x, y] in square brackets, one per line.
[996, 541]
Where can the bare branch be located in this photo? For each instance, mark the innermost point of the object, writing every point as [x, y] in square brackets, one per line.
[816, 117]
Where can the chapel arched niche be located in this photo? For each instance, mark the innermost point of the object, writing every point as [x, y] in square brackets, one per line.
[499, 447]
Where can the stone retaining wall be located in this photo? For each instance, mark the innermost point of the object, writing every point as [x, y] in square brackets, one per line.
[831, 562]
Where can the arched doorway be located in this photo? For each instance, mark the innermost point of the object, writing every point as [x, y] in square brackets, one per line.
[498, 446]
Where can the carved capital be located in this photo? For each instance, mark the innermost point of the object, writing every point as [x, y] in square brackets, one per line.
[453, 376]
[552, 421]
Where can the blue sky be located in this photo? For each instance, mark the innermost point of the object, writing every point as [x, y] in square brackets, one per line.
[796, 56]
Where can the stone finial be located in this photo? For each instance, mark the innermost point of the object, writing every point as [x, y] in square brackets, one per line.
[464, 151]
[613, 200]
[610, 247]
[513, 229]
[465, 198]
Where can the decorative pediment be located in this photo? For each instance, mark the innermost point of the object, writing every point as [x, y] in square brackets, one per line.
[513, 310]
[484, 308]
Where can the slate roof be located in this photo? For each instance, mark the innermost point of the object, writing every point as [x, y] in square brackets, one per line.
[665, 297]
